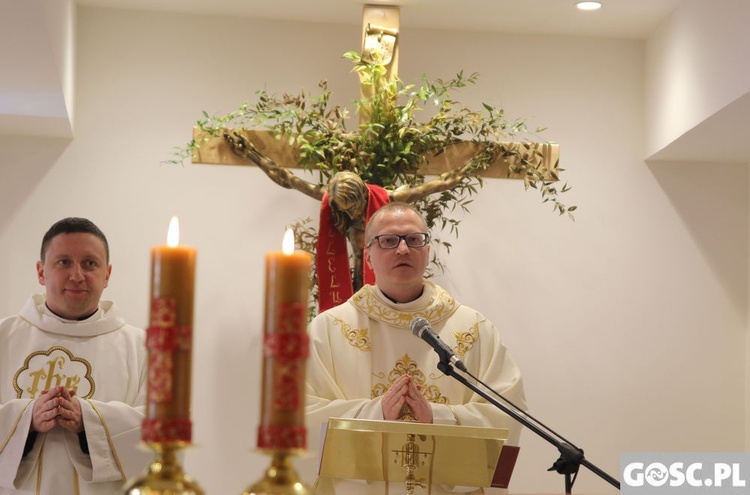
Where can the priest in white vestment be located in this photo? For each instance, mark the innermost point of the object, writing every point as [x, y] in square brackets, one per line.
[72, 377]
[366, 363]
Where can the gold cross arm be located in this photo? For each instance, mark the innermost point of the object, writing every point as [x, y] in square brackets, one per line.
[380, 36]
[217, 151]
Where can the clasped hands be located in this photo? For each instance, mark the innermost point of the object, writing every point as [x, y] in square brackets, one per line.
[405, 391]
[57, 406]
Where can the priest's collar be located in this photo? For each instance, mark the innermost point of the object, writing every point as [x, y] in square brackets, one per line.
[106, 319]
[435, 305]
[397, 302]
[82, 318]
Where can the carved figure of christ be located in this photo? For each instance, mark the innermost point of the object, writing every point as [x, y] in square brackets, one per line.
[277, 157]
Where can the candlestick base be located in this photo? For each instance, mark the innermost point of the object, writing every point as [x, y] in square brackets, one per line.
[164, 475]
[280, 479]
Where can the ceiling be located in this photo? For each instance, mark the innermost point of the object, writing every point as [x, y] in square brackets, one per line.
[35, 83]
[616, 18]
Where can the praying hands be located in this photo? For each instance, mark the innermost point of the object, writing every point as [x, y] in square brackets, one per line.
[57, 406]
[405, 392]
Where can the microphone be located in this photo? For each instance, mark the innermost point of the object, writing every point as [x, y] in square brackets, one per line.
[422, 329]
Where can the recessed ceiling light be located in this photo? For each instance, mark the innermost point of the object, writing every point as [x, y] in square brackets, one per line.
[589, 5]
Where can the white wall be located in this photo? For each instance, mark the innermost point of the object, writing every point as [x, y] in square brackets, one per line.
[59, 19]
[696, 66]
[37, 82]
[629, 323]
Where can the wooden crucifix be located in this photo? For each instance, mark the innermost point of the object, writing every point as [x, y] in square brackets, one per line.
[346, 192]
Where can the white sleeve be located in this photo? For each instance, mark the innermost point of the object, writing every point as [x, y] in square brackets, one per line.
[15, 423]
[113, 432]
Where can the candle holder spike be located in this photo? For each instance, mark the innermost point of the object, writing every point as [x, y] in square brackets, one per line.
[164, 476]
[280, 478]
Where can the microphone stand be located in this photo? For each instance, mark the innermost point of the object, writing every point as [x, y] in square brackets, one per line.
[571, 457]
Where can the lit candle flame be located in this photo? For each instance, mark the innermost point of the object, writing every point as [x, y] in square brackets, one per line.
[287, 245]
[173, 234]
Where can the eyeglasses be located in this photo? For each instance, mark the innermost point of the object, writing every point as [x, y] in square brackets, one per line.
[392, 241]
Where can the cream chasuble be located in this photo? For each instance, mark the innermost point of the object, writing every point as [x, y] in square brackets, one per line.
[358, 349]
[104, 360]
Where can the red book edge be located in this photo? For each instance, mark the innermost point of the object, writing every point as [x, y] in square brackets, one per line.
[505, 465]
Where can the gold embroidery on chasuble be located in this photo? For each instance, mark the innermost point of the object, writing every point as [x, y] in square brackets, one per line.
[357, 337]
[407, 366]
[466, 340]
[57, 366]
[440, 307]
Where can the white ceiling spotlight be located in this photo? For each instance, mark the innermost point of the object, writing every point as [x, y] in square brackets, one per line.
[589, 5]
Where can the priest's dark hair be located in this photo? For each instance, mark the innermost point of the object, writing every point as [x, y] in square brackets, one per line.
[73, 225]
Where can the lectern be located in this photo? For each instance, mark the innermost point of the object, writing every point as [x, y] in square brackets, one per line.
[415, 454]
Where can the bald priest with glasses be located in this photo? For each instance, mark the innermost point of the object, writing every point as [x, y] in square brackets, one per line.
[365, 362]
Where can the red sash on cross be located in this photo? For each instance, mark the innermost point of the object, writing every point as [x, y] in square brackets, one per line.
[332, 255]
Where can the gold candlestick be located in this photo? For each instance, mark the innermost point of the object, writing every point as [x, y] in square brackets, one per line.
[282, 431]
[164, 475]
[280, 479]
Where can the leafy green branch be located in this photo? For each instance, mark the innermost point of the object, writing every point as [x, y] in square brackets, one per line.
[390, 144]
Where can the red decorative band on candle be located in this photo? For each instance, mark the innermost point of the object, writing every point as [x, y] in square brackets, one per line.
[286, 346]
[160, 343]
[281, 437]
[167, 430]
[161, 339]
[288, 381]
[163, 312]
[184, 337]
[292, 317]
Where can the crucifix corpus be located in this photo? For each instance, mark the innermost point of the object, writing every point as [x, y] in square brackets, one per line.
[348, 190]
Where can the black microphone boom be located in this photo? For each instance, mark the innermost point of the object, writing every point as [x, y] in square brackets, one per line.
[422, 329]
[571, 457]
